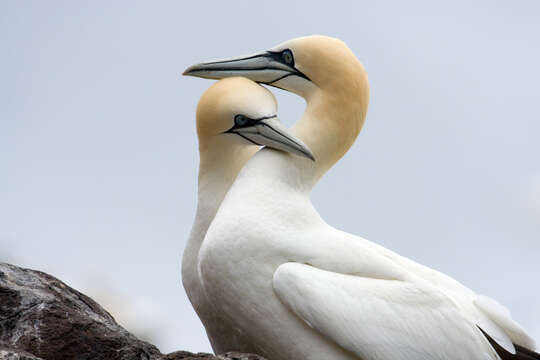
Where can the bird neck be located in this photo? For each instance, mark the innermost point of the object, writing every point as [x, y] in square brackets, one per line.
[221, 158]
[220, 162]
[329, 126]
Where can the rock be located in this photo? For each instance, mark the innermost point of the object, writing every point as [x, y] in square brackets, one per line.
[239, 356]
[10, 354]
[43, 318]
[227, 356]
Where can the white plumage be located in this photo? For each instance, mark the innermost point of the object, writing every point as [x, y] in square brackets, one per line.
[224, 147]
[290, 286]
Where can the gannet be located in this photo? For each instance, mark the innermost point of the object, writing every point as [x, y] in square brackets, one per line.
[233, 116]
[289, 285]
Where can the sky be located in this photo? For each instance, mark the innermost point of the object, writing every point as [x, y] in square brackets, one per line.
[98, 152]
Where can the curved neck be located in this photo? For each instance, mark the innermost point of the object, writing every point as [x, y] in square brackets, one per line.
[329, 126]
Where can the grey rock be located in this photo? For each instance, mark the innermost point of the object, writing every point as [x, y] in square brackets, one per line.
[43, 318]
[10, 354]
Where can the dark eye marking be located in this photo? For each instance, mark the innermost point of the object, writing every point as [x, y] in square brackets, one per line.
[243, 121]
[240, 120]
[285, 57]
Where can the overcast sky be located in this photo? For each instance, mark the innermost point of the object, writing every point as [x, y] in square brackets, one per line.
[98, 153]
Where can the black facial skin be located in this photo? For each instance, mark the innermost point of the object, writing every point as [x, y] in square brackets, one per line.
[286, 57]
[242, 121]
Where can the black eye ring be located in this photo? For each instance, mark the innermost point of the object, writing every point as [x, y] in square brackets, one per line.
[240, 120]
[287, 57]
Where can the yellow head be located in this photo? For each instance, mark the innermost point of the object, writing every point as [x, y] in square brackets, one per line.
[237, 112]
[321, 69]
[225, 99]
[300, 65]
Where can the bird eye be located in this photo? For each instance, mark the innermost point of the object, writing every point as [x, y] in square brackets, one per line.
[240, 120]
[287, 57]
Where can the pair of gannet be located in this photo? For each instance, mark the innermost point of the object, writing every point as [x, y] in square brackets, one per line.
[267, 275]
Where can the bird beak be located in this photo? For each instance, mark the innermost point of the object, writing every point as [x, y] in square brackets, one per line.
[271, 132]
[265, 68]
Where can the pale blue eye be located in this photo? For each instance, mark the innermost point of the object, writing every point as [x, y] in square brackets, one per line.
[287, 57]
[240, 120]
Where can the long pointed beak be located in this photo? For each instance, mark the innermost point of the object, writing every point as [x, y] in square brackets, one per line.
[264, 68]
[272, 133]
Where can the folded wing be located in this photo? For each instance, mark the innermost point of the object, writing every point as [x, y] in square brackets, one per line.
[380, 319]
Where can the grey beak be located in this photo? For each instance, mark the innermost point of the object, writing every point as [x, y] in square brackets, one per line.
[266, 68]
[272, 133]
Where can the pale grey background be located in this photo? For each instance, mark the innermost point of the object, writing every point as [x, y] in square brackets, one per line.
[98, 154]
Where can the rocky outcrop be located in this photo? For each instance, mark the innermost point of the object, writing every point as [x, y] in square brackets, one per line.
[43, 318]
[11, 354]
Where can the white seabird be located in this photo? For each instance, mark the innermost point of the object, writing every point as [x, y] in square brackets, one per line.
[233, 116]
[290, 286]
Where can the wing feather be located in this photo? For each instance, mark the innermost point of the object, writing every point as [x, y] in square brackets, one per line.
[502, 317]
[380, 319]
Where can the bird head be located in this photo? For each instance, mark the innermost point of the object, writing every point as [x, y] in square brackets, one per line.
[243, 112]
[300, 65]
